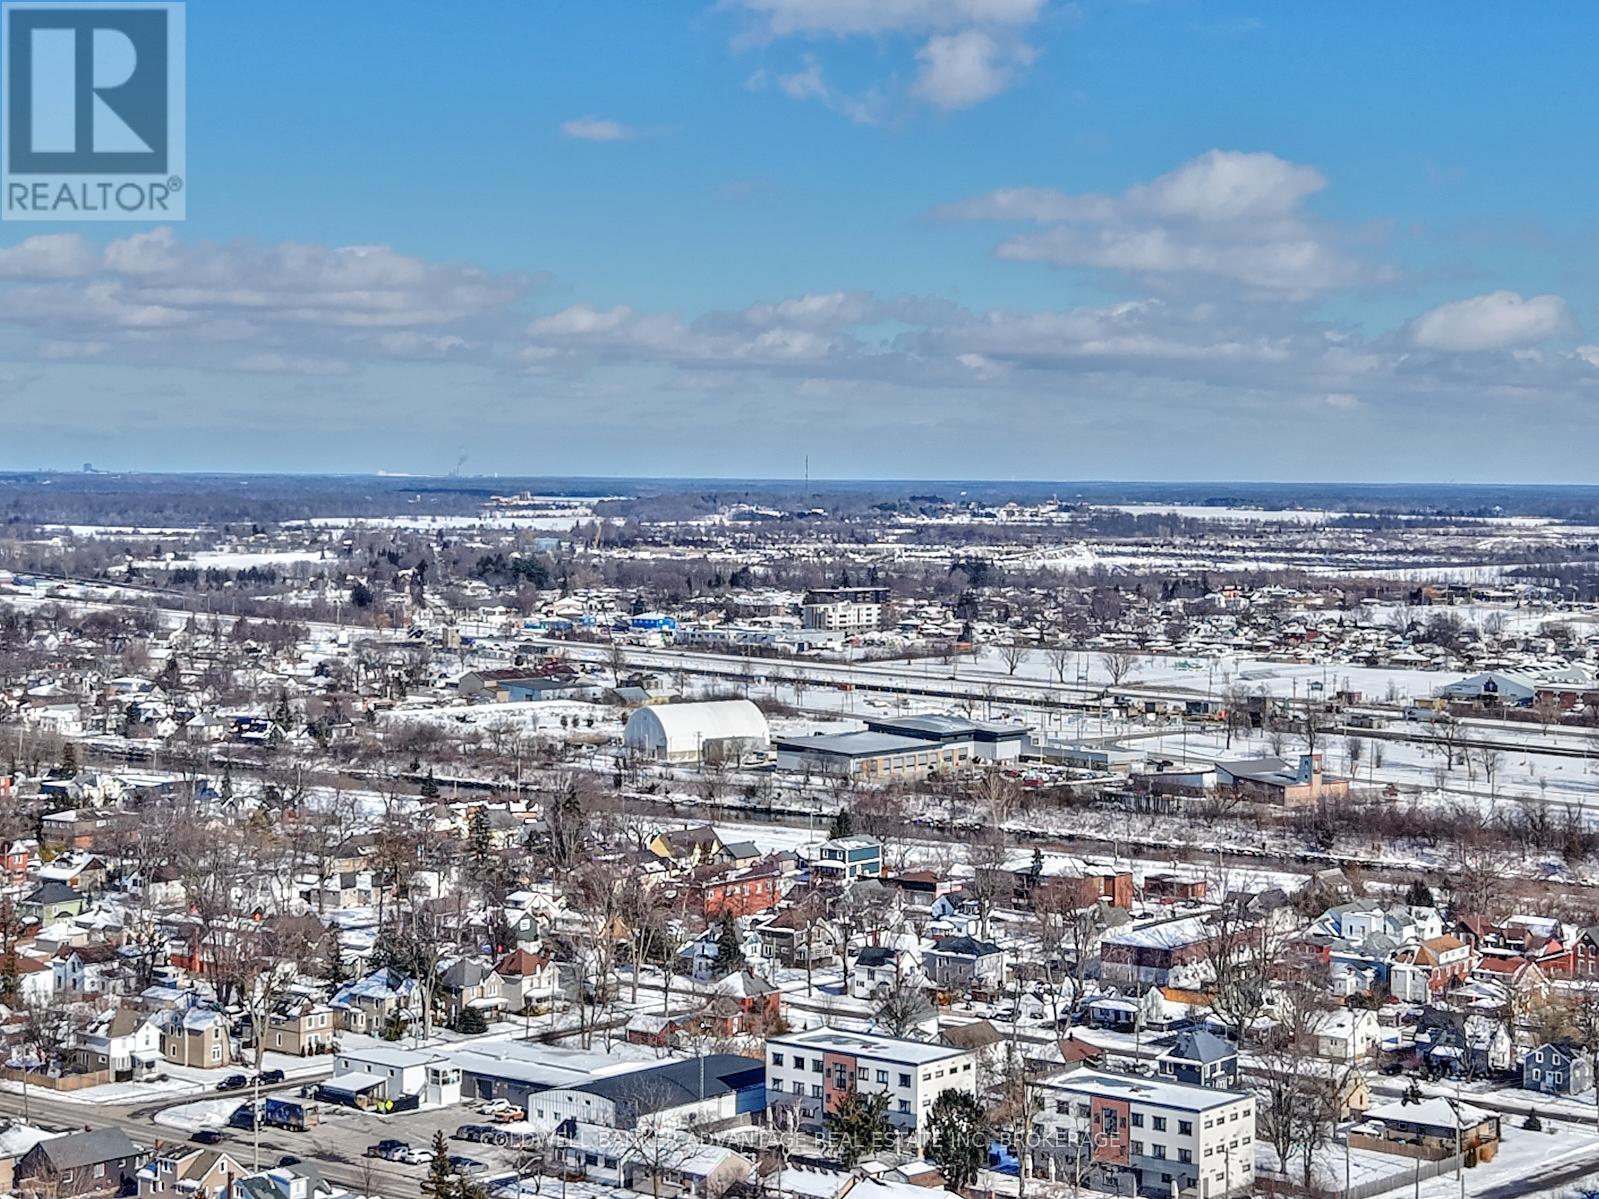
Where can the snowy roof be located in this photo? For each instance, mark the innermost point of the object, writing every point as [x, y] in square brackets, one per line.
[1434, 1113]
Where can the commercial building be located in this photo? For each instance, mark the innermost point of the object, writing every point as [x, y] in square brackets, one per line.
[988, 740]
[1127, 1134]
[809, 1073]
[718, 1086]
[869, 756]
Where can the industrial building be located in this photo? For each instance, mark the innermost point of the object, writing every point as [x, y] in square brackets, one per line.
[719, 730]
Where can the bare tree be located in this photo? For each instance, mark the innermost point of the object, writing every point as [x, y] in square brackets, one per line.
[1120, 665]
[1013, 654]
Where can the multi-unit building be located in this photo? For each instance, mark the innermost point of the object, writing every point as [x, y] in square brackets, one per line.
[1128, 1134]
[809, 1073]
[844, 609]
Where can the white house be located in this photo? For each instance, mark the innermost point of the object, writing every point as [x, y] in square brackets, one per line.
[1346, 1034]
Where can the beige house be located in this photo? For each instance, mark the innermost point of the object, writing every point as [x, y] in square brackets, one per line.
[196, 1037]
[190, 1174]
[303, 1028]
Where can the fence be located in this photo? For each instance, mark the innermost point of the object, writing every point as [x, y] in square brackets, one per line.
[1406, 1170]
[64, 1082]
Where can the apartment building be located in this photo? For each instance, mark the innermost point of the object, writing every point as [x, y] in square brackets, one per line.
[1127, 1134]
[844, 609]
[809, 1073]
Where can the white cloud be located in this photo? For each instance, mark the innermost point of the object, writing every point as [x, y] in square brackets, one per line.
[1223, 185]
[966, 51]
[961, 69]
[1224, 216]
[598, 129]
[148, 296]
[1496, 321]
[845, 18]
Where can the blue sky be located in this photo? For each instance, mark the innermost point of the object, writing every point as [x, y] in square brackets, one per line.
[910, 238]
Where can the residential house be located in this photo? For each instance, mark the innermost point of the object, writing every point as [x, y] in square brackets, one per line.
[301, 1028]
[195, 1036]
[1167, 951]
[527, 979]
[86, 970]
[1200, 1058]
[470, 983]
[688, 847]
[49, 902]
[1431, 1130]
[1345, 1034]
[99, 1162]
[370, 1004]
[190, 1173]
[1557, 1068]
[734, 890]
[125, 1041]
[845, 859]
[962, 964]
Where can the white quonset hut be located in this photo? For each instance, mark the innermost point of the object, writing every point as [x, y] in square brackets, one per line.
[719, 730]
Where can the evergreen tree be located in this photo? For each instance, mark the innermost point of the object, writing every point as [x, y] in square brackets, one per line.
[430, 789]
[957, 1138]
[858, 1126]
[441, 1182]
[843, 824]
[1418, 894]
[729, 952]
[479, 837]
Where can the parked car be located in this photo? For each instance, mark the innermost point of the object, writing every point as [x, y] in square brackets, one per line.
[388, 1149]
[288, 1159]
[267, 1077]
[233, 1082]
[462, 1164]
[411, 1156]
[473, 1132]
[209, 1136]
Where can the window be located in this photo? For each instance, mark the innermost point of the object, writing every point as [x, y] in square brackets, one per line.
[882, 1076]
[905, 1105]
[777, 1059]
[1185, 1127]
[799, 1087]
[1138, 1119]
[904, 1080]
[1060, 1107]
[1160, 1123]
[816, 1090]
[1138, 1148]
[816, 1065]
[799, 1062]
[1157, 1150]
[1185, 1156]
